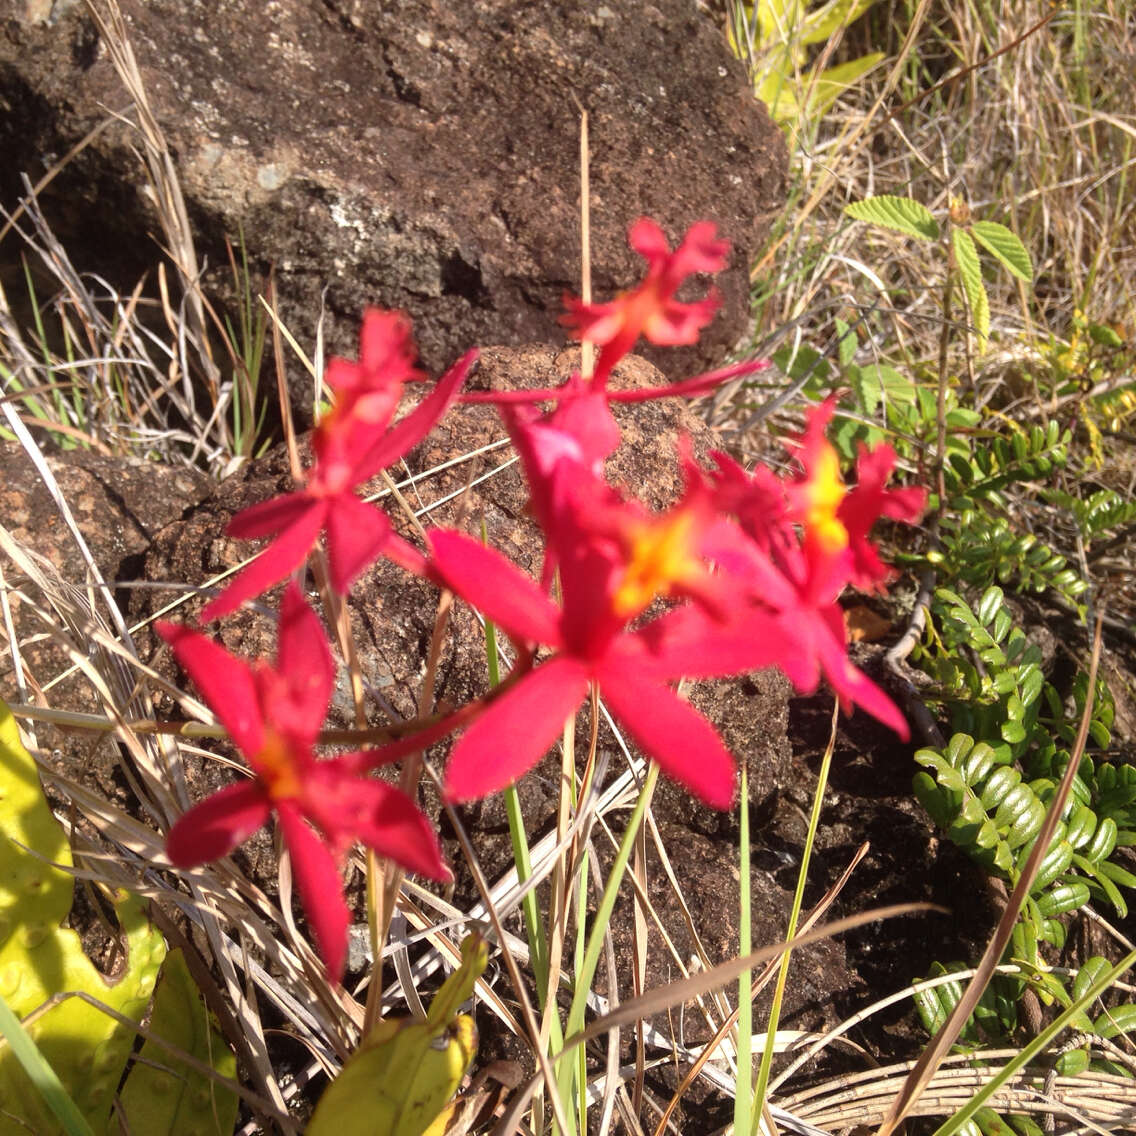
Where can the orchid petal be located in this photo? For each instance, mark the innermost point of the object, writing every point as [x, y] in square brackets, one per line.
[226, 682]
[408, 431]
[516, 731]
[669, 730]
[849, 682]
[701, 251]
[355, 538]
[405, 555]
[304, 663]
[284, 555]
[381, 817]
[320, 887]
[269, 517]
[215, 826]
[673, 323]
[495, 586]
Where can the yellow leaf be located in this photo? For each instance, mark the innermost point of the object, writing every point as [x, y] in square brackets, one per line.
[402, 1077]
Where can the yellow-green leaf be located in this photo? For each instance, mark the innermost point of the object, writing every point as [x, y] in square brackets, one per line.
[1005, 247]
[163, 1094]
[826, 21]
[400, 1080]
[832, 83]
[40, 960]
[900, 213]
[970, 272]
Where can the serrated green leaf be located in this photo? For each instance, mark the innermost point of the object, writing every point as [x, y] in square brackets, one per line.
[40, 959]
[899, 213]
[164, 1094]
[1005, 247]
[970, 273]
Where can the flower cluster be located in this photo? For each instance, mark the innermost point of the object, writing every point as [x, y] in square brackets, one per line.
[743, 572]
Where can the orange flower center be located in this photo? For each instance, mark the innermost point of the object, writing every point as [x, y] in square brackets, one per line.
[276, 767]
[660, 556]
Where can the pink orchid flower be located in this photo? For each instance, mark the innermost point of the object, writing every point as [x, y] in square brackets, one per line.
[274, 715]
[351, 444]
[794, 580]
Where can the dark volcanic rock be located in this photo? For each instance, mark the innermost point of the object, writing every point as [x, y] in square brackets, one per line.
[415, 154]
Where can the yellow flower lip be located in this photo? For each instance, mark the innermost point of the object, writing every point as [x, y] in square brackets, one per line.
[660, 555]
[276, 768]
[823, 493]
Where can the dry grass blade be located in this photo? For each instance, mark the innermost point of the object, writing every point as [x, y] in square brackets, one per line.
[941, 1043]
[1091, 1098]
[683, 990]
[167, 188]
[759, 984]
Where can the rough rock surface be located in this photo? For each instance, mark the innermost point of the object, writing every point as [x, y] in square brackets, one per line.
[415, 154]
[119, 504]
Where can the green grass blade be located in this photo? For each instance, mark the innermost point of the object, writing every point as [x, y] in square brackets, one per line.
[791, 930]
[41, 1074]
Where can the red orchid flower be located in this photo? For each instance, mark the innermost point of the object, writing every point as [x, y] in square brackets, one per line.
[794, 580]
[351, 444]
[274, 715]
[836, 518]
[614, 559]
[649, 310]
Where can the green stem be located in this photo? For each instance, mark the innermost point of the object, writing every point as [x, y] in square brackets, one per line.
[585, 973]
[538, 946]
[744, 1087]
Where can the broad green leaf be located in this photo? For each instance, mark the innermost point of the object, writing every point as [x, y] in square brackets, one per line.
[163, 1094]
[1105, 336]
[40, 959]
[776, 90]
[877, 382]
[970, 272]
[900, 213]
[400, 1079]
[1005, 247]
